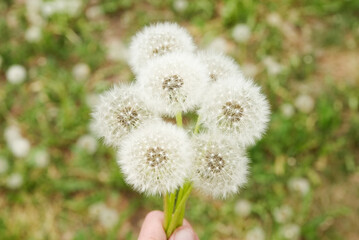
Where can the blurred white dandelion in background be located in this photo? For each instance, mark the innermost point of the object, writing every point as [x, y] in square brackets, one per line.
[305, 103]
[241, 33]
[116, 50]
[249, 69]
[81, 71]
[33, 34]
[180, 5]
[108, 217]
[274, 19]
[243, 207]
[16, 74]
[14, 181]
[287, 110]
[283, 214]
[273, 67]
[290, 231]
[300, 185]
[88, 143]
[41, 158]
[219, 44]
[256, 233]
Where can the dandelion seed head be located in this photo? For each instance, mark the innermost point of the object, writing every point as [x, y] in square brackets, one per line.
[290, 231]
[172, 83]
[157, 40]
[88, 143]
[256, 233]
[241, 33]
[16, 74]
[14, 181]
[237, 106]
[283, 214]
[220, 166]
[118, 112]
[156, 157]
[300, 185]
[219, 66]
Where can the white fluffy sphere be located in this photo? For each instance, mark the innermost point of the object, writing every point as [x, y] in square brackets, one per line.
[119, 111]
[16, 74]
[241, 33]
[20, 147]
[219, 66]
[220, 166]
[156, 158]
[157, 40]
[238, 107]
[172, 83]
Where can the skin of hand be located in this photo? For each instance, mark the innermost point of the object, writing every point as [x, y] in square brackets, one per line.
[152, 229]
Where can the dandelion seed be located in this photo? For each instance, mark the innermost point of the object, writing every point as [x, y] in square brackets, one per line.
[236, 106]
[157, 40]
[14, 181]
[120, 110]
[241, 33]
[256, 233]
[290, 231]
[156, 158]
[300, 185]
[172, 83]
[88, 143]
[283, 214]
[16, 74]
[219, 66]
[220, 166]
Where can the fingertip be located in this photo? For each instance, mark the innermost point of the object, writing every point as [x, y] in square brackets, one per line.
[152, 228]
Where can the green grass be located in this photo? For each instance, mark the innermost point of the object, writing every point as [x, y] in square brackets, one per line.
[314, 45]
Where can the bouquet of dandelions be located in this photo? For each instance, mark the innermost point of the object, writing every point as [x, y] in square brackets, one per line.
[173, 78]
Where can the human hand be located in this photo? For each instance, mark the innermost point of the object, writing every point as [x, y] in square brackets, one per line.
[152, 229]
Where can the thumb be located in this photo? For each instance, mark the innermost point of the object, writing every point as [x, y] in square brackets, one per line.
[184, 233]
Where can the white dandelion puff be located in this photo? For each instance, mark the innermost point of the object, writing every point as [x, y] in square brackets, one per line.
[241, 33]
[172, 83]
[16, 74]
[33, 34]
[243, 208]
[88, 143]
[20, 147]
[119, 111]
[305, 103]
[81, 71]
[157, 40]
[156, 158]
[219, 66]
[290, 231]
[11, 133]
[14, 181]
[41, 159]
[220, 166]
[287, 110]
[236, 106]
[283, 214]
[108, 217]
[300, 185]
[256, 233]
[219, 44]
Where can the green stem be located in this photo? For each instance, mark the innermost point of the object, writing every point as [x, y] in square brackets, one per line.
[196, 128]
[178, 215]
[167, 218]
[179, 119]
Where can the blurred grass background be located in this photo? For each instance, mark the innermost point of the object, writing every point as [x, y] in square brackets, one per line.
[60, 184]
